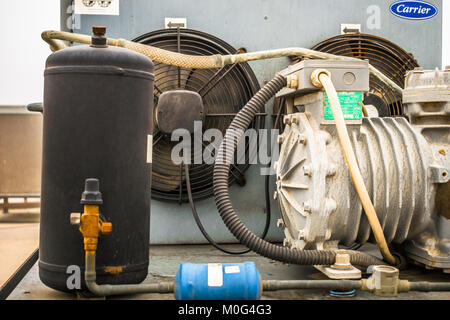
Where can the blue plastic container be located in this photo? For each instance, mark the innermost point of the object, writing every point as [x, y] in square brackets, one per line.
[231, 281]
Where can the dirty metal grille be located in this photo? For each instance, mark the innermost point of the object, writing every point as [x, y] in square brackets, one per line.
[384, 55]
[224, 92]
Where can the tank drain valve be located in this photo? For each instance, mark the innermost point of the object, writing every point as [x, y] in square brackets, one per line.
[91, 225]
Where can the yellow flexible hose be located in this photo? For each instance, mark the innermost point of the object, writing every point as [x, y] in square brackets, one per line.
[324, 78]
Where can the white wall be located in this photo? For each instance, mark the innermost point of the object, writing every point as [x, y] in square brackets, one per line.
[446, 34]
[23, 52]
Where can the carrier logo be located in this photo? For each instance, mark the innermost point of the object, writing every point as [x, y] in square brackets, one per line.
[413, 10]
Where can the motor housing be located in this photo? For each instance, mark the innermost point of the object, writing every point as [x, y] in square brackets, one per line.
[405, 166]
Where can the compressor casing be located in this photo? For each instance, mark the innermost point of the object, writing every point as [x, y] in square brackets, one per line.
[405, 166]
[98, 119]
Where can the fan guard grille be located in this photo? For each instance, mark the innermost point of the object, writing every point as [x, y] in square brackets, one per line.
[224, 92]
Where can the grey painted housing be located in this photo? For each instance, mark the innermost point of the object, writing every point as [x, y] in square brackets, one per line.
[260, 25]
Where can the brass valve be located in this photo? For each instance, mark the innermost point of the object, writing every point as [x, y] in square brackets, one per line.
[91, 225]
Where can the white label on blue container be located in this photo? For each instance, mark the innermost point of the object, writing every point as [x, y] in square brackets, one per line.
[232, 269]
[215, 275]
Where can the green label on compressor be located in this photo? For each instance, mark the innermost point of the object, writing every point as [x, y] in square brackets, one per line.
[351, 103]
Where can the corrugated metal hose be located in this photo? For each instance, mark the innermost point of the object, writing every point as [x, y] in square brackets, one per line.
[55, 40]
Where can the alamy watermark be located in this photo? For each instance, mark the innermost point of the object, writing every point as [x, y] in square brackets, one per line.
[241, 147]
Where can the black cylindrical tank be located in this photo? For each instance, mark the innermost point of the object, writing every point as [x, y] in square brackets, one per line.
[98, 117]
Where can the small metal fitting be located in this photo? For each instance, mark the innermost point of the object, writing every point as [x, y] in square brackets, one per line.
[292, 81]
[315, 77]
[75, 218]
[307, 207]
[287, 242]
[302, 139]
[301, 235]
[342, 261]
[280, 139]
[384, 281]
[307, 170]
[287, 120]
[331, 170]
[280, 223]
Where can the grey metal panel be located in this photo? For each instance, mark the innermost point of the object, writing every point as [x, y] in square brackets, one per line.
[260, 25]
[268, 24]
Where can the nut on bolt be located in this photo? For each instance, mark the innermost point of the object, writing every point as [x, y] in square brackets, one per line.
[342, 261]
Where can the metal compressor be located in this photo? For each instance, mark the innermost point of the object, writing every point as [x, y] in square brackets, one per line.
[405, 164]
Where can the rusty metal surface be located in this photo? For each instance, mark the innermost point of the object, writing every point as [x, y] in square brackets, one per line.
[165, 261]
[20, 151]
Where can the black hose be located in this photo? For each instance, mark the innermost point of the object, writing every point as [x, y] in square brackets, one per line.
[269, 165]
[200, 225]
[225, 207]
[267, 196]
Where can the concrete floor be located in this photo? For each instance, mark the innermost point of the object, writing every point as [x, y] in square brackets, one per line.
[19, 237]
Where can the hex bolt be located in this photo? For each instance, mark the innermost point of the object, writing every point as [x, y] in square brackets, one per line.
[292, 81]
[75, 218]
[280, 139]
[301, 235]
[330, 205]
[307, 170]
[287, 242]
[342, 261]
[280, 223]
[302, 139]
[331, 170]
[307, 206]
[328, 138]
[287, 120]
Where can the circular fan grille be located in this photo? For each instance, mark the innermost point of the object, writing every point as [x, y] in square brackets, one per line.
[224, 92]
[384, 55]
